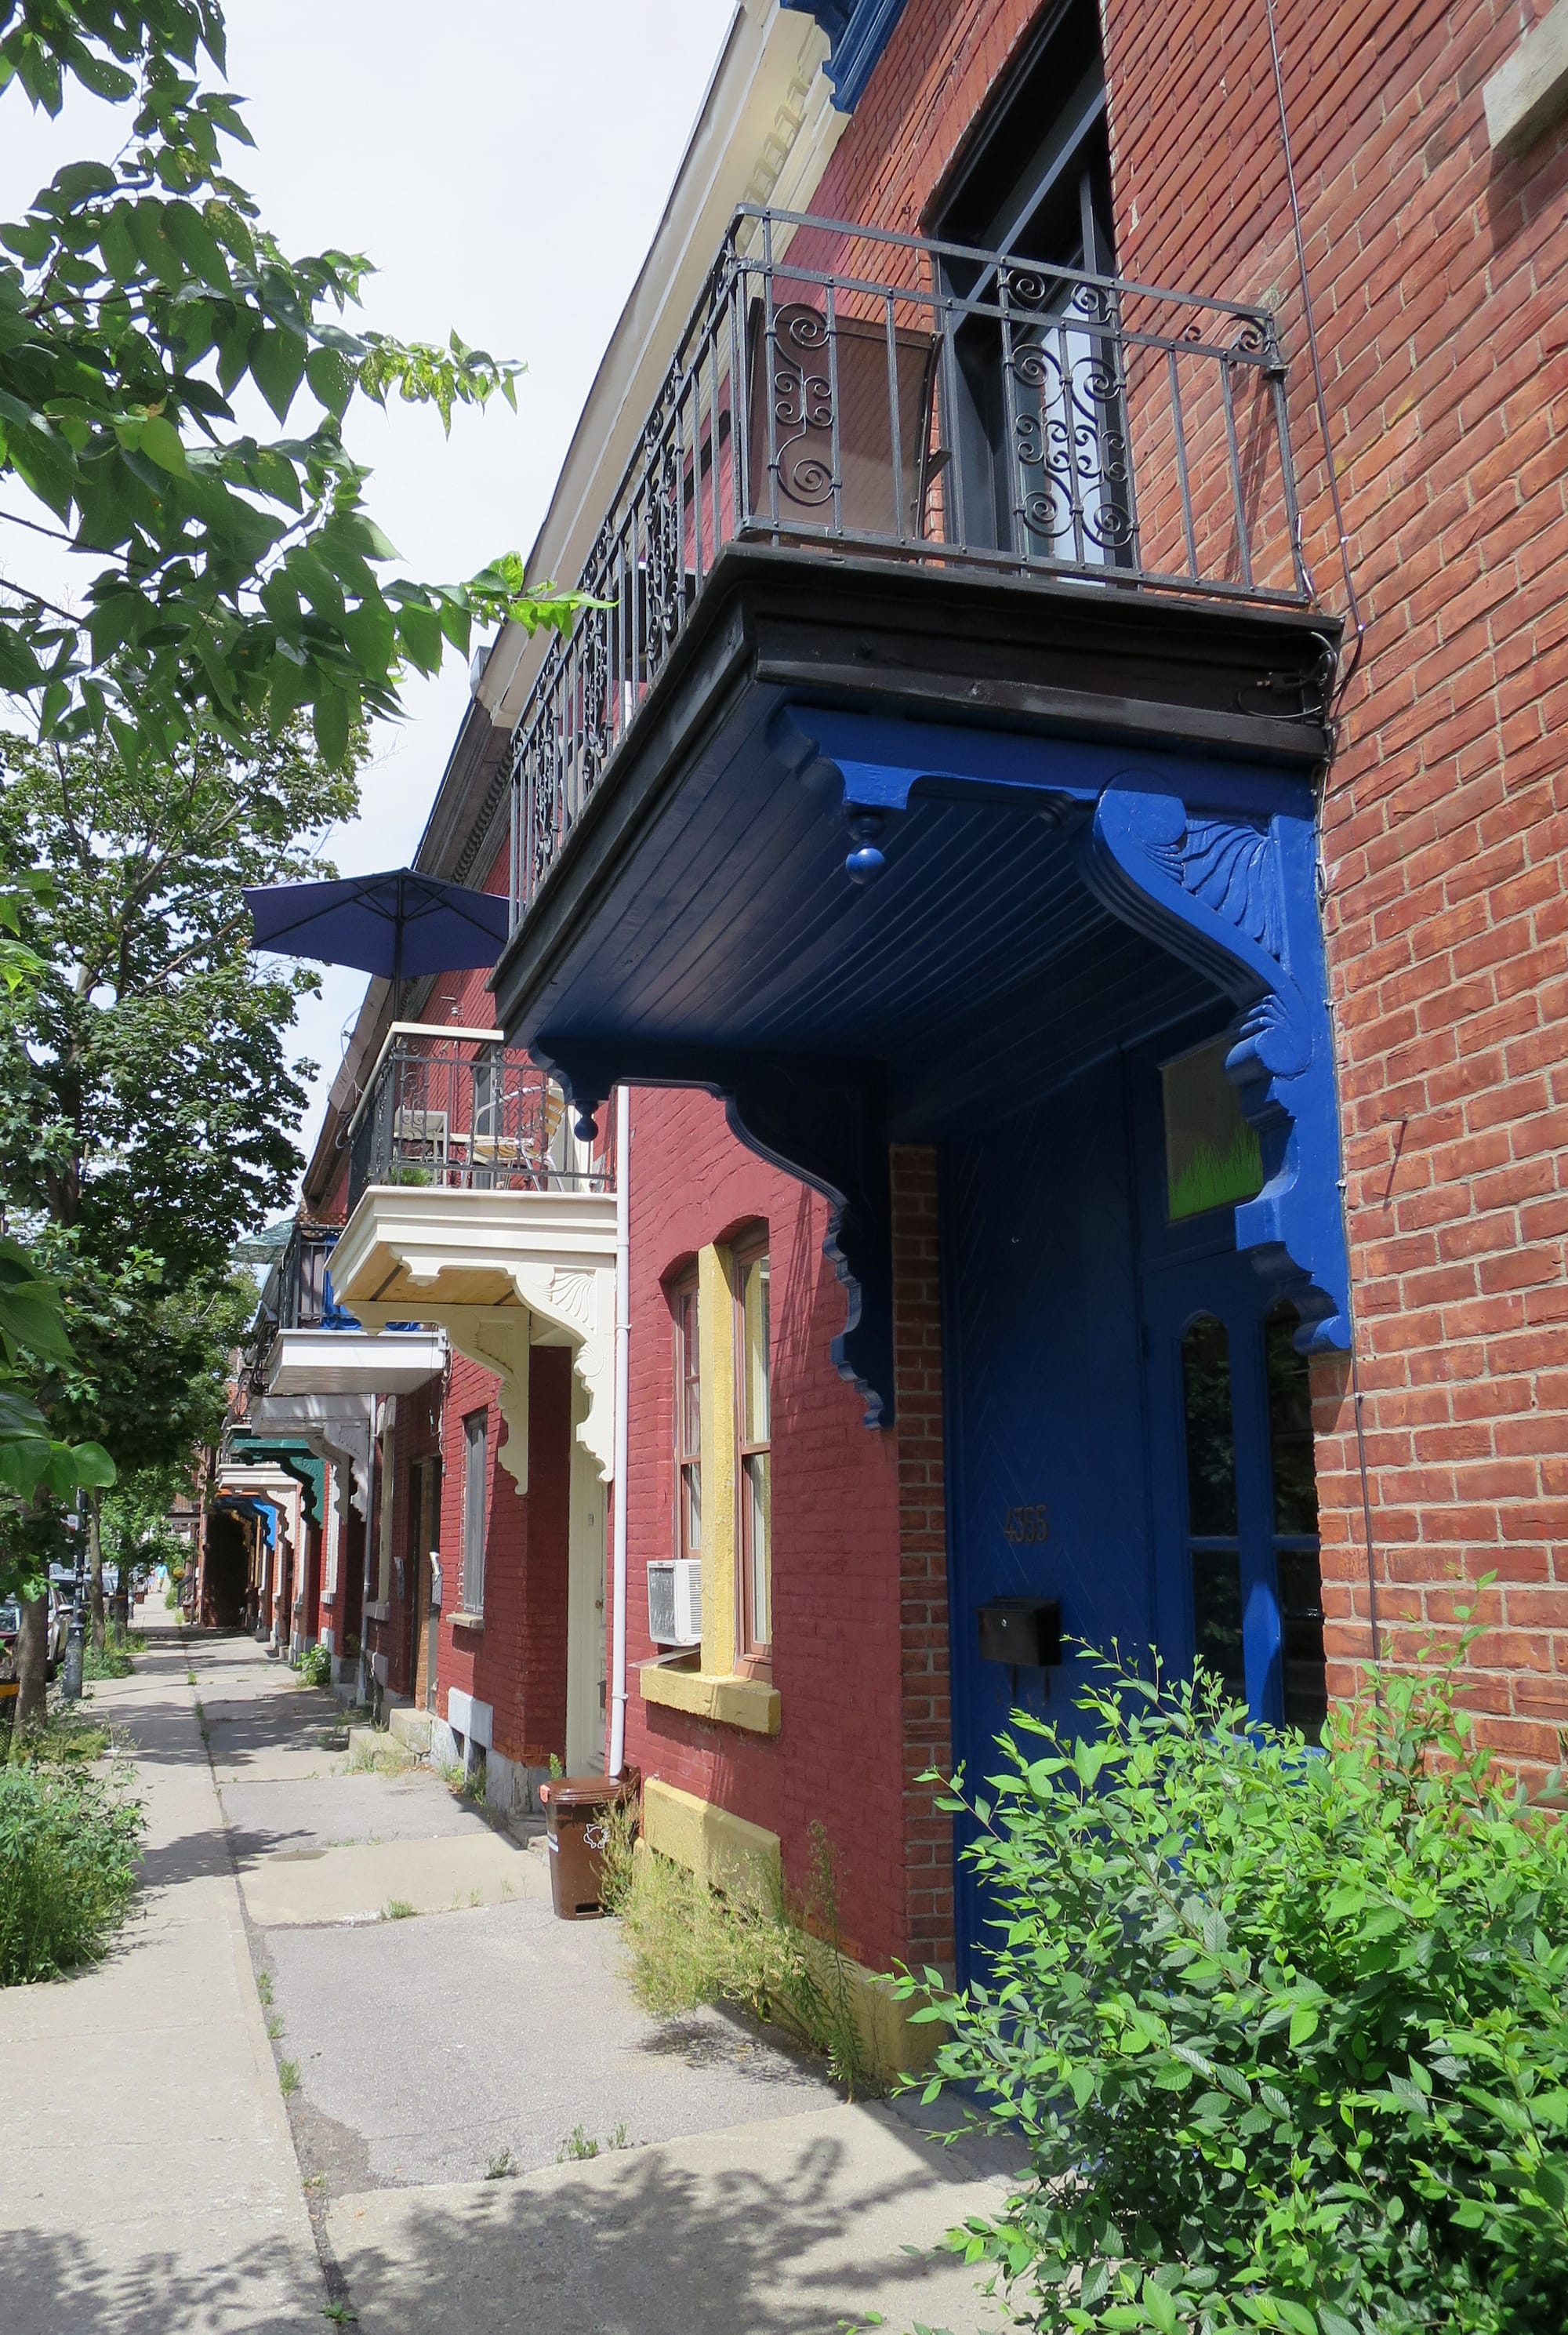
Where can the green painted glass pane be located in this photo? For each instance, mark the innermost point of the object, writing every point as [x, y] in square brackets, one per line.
[1212, 1155]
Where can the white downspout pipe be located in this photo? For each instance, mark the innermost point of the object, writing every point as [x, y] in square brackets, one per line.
[616, 1759]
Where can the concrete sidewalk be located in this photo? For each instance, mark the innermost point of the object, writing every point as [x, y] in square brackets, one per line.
[153, 2178]
[149, 2179]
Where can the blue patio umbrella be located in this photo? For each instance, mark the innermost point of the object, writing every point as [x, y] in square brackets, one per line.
[399, 923]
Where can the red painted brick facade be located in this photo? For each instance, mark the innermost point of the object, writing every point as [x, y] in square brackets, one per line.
[859, 1590]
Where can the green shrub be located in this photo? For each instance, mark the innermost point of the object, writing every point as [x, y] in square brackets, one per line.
[113, 1659]
[68, 1850]
[1286, 2035]
[316, 1666]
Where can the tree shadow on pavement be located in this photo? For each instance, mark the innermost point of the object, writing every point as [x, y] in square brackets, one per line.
[645, 2244]
[60, 2284]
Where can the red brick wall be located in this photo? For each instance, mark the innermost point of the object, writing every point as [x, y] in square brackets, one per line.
[516, 1663]
[923, 1553]
[1435, 273]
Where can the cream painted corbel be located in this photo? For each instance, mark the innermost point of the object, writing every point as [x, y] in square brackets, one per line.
[495, 1338]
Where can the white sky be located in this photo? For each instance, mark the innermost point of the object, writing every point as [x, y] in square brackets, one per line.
[504, 162]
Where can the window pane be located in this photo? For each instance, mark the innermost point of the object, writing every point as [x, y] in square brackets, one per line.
[1289, 1426]
[1306, 1690]
[474, 1489]
[754, 1309]
[758, 1544]
[692, 1481]
[1212, 1155]
[1211, 1444]
[691, 1376]
[1218, 1616]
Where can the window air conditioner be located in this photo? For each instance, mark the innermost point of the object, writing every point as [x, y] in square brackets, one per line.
[675, 1602]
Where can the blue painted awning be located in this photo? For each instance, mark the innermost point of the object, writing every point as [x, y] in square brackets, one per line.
[864, 928]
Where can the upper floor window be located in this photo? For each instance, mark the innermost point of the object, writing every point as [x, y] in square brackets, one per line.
[754, 1449]
[1038, 427]
[688, 1419]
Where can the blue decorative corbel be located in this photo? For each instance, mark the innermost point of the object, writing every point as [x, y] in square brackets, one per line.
[1236, 898]
[824, 1121]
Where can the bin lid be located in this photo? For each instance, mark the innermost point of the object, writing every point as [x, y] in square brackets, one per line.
[581, 1791]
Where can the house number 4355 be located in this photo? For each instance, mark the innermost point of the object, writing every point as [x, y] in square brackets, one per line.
[1025, 1524]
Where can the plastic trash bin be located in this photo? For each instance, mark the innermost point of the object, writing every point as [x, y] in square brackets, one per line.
[574, 1808]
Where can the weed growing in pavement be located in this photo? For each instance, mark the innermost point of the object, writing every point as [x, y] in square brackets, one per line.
[386, 1756]
[67, 1737]
[273, 2026]
[690, 1943]
[502, 2167]
[315, 1667]
[315, 2181]
[190, 1678]
[69, 1842]
[339, 2312]
[450, 1772]
[287, 2077]
[263, 1985]
[396, 1909]
[579, 2144]
[114, 1659]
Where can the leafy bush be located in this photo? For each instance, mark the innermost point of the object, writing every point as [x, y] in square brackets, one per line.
[68, 1849]
[316, 1666]
[114, 1659]
[692, 1944]
[1286, 2035]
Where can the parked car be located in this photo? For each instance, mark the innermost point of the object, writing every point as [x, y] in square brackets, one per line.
[59, 1629]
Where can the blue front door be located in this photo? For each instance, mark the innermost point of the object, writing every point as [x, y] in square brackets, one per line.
[1128, 1430]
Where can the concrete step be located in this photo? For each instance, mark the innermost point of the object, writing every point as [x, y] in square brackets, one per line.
[409, 1725]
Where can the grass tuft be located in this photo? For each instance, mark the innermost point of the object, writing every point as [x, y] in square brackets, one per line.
[396, 1909]
[288, 2076]
[691, 1945]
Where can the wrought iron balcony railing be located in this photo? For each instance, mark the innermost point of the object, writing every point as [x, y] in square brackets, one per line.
[844, 390]
[459, 1109]
[295, 1295]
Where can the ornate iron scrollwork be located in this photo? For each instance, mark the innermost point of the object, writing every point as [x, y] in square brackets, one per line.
[802, 405]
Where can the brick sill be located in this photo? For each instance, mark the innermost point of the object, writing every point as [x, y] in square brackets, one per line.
[468, 1621]
[724, 1698]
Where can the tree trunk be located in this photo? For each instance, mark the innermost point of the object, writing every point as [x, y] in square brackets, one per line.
[32, 1661]
[95, 1570]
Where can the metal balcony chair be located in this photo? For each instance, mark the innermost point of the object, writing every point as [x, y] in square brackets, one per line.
[810, 372]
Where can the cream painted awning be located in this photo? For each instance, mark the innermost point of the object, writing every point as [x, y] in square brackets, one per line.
[352, 1362]
[499, 1271]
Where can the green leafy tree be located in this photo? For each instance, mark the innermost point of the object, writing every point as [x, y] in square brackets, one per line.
[147, 1097]
[1284, 2033]
[235, 578]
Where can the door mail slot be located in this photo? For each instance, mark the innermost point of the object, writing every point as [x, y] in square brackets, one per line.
[1023, 1630]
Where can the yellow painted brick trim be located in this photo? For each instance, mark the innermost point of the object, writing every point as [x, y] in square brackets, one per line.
[728, 1701]
[724, 1849]
[716, 1334]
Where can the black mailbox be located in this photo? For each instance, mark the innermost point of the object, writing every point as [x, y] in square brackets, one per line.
[1023, 1630]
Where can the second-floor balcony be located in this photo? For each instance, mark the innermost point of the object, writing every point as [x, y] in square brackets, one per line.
[457, 1109]
[845, 394]
[474, 1207]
